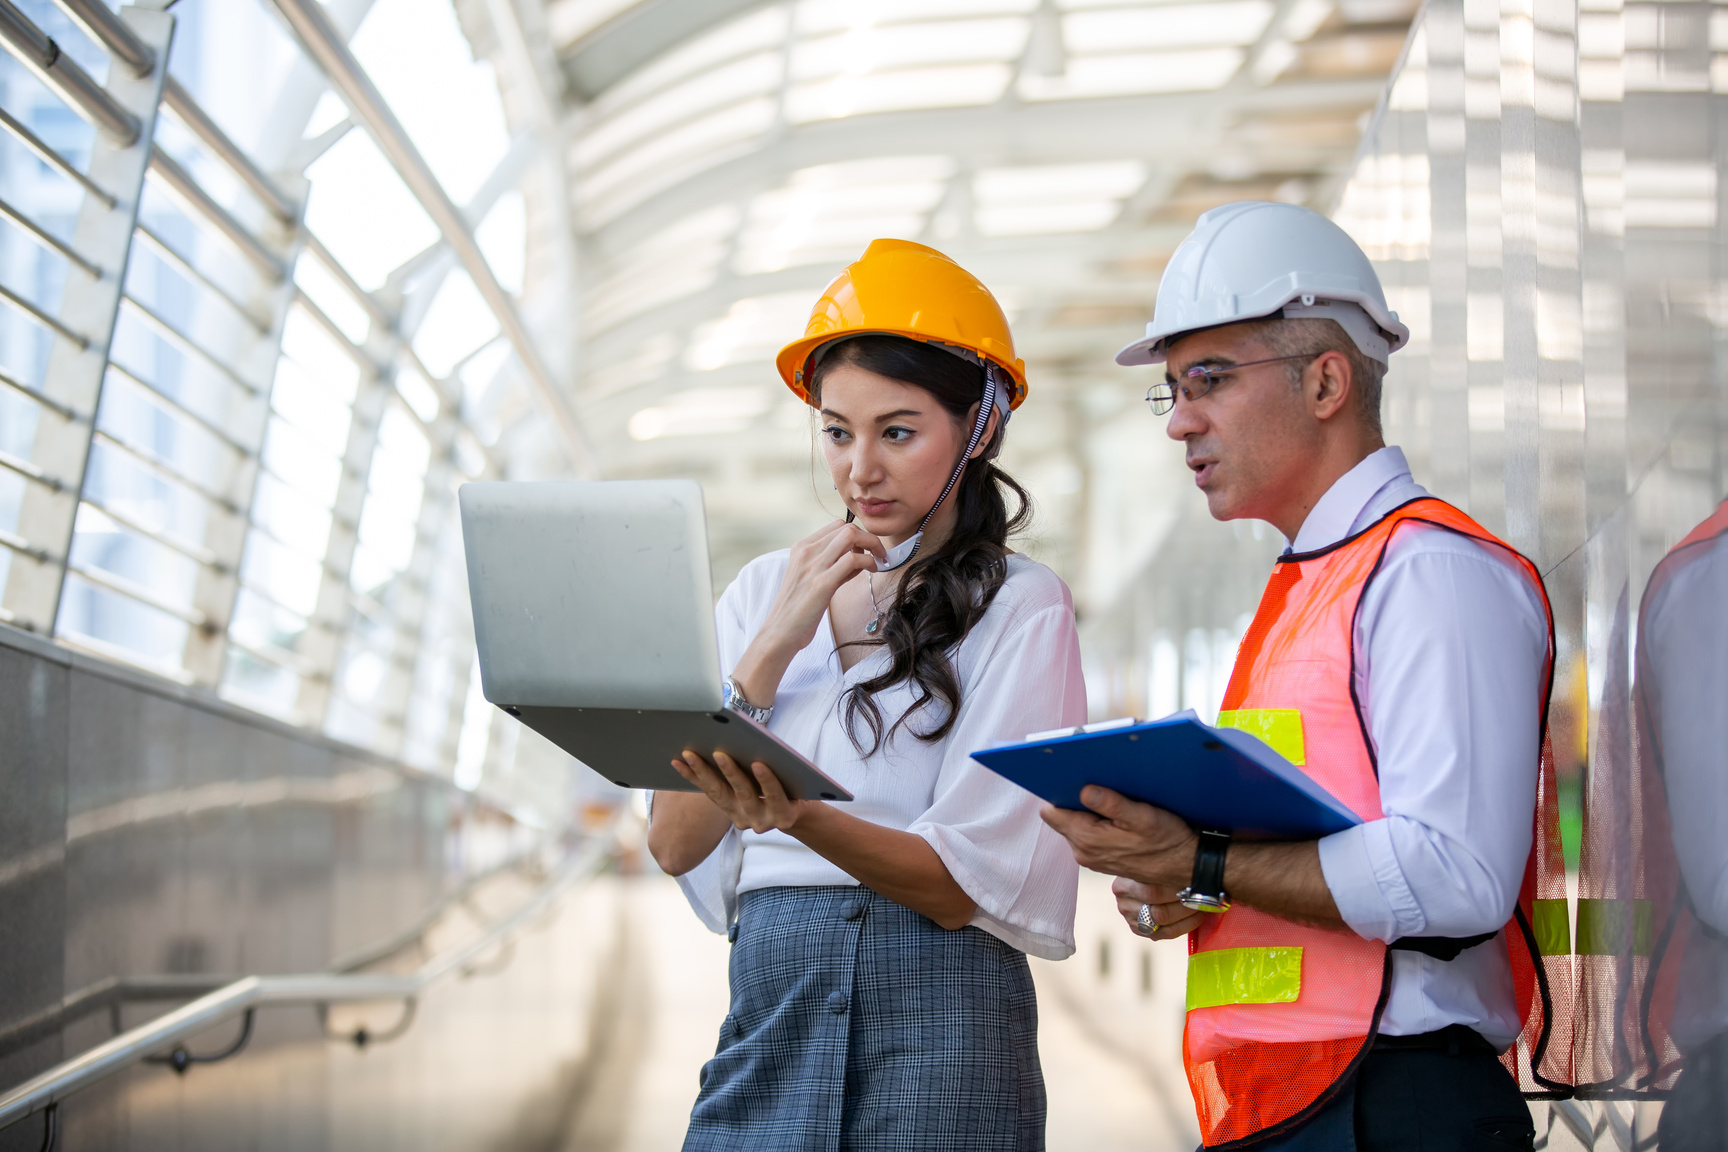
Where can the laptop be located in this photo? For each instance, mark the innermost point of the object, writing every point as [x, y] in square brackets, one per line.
[594, 619]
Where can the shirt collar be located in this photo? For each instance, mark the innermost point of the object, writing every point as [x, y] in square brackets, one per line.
[1336, 513]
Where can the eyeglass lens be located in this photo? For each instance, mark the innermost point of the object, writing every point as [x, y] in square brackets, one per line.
[1195, 383]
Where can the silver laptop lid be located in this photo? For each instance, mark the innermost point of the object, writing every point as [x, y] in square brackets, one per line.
[592, 594]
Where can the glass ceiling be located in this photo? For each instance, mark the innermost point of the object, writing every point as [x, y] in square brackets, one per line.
[660, 188]
[1059, 149]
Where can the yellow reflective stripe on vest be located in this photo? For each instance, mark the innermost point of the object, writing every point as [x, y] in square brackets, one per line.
[1279, 727]
[1244, 976]
[1615, 927]
[1551, 924]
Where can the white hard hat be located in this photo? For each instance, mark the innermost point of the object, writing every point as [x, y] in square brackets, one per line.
[1252, 259]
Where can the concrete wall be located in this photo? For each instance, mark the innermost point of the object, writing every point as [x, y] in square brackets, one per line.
[148, 829]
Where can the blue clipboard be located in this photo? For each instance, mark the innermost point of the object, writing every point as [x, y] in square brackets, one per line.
[1217, 778]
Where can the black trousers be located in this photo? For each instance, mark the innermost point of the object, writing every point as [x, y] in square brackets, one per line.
[1443, 1091]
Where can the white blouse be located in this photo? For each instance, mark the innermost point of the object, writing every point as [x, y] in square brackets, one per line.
[1019, 672]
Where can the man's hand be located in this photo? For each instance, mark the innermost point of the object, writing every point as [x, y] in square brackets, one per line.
[1172, 919]
[1127, 838]
[1141, 843]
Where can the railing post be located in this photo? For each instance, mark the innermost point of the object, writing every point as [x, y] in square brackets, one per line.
[254, 356]
[88, 307]
[332, 619]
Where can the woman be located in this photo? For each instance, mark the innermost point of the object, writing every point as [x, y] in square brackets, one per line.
[880, 992]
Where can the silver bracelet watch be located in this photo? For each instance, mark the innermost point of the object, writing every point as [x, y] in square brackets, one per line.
[735, 700]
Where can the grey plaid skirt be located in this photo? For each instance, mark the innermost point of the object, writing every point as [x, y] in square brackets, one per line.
[858, 1024]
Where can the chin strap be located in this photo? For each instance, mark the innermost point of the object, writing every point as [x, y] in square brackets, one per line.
[902, 553]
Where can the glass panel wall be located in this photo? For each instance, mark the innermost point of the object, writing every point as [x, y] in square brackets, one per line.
[251, 488]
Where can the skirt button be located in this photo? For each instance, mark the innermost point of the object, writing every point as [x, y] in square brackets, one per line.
[732, 932]
[837, 1003]
[852, 909]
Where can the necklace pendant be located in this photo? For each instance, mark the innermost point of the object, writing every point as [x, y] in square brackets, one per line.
[873, 625]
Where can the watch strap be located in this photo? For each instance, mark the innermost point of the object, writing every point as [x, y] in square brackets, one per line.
[735, 700]
[1205, 891]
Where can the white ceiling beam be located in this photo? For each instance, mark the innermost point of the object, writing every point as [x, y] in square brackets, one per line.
[367, 106]
[1175, 130]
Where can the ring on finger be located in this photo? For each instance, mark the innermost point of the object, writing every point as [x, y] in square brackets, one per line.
[1143, 923]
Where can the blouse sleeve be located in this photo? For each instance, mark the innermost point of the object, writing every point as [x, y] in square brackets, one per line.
[712, 886]
[987, 831]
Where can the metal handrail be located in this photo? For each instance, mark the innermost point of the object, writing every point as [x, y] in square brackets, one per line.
[194, 117]
[122, 43]
[383, 950]
[30, 471]
[41, 317]
[22, 546]
[201, 202]
[41, 398]
[36, 50]
[149, 461]
[47, 239]
[113, 993]
[292, 661]
[252, 992]
[110, 993]
[52, 158]
[166, 252]
[362, 359]
[159, 395]
[165, 328]
[132, 590]
[383, 317]
[194, 552]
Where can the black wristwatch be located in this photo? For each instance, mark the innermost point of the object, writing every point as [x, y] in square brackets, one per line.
[1205, 892]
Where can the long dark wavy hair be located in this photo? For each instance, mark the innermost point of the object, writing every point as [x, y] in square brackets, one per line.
[946, 589]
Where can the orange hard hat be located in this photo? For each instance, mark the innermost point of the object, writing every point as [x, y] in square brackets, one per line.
[899, 288]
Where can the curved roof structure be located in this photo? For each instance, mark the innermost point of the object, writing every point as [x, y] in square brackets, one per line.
[724, 159]
[385, 246]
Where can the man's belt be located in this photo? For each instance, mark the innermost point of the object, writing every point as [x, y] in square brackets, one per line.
[1453, 1039]
[1440, 947]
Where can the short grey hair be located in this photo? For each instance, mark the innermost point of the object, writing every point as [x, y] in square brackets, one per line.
[1286, 337]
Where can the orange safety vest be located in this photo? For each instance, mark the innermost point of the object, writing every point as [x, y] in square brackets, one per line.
[1280, 1014]
[1637, 931]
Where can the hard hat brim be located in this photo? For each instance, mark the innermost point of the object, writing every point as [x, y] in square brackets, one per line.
[1150, 349]
[792, 361]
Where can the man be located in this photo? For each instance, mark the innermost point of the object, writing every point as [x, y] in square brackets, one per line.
[1358, 990]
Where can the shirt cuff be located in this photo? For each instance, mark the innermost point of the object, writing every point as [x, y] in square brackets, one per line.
[1367, 883]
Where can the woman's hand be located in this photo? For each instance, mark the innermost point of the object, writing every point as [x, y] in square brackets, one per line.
[1171, 916]
[900, 865]
[753, 800]
[820, 564]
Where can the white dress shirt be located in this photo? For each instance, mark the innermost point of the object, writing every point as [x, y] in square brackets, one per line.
[1019, 671]
[1685, 642]
[1450, 641]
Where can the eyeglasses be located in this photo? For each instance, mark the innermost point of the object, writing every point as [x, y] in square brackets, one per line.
[1198, 381]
